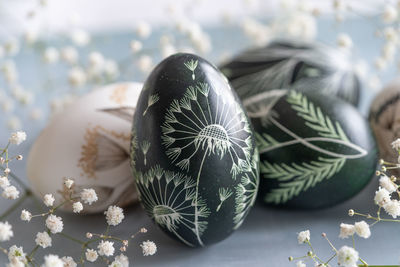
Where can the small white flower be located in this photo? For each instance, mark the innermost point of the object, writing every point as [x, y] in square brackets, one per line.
[89, 196]
[123, 260]
[136, 46]
[145, 63]
[386, 183]
[362, 229]
[69, 54]
[4, 182]
[396, 144]
[347, 257]
[111, 69]
[16, 263]
[114, 215]
[43, 239]
[26, 215]
[30, 36]
[68, 183]
[390, 34]
[77, 77]
[68, 261]
[91, 255]
[52, 261]
[10, 192]
[389, 14]
[5, 231]
[54, 224]
[51, 55]
[77, 207]
[380, 63]
[344, 41]
[16, 253]
[17, 138]
[80, 37]
[143, 29]
[96, 59]
[346, 230]
[149, 248]
[48, 200]
[106, 248]
[300, 264]
[12, 46]
[388, 51]
[303, 236]
[382, 197]
[115, 263]
[393, 208]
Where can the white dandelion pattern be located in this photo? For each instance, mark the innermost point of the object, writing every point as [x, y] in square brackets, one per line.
[170, 200]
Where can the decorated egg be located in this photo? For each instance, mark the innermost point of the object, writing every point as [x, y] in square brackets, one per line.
[193, 152]
[290, 64]
[88, 141]
[315, 150]
[384, 118]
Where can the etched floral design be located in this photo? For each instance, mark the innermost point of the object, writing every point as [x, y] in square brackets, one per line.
[192, 65]
[224, 193]
[170, 200]
[193, 126]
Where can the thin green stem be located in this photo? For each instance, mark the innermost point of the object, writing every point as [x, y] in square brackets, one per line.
[72, 238]
[18, 180]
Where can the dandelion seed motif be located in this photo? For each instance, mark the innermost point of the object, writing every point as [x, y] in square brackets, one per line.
[192, 65]
[224, 194]
[193, 126]
[145, 148]
[246, 191]
[170, 200]
[151, 101]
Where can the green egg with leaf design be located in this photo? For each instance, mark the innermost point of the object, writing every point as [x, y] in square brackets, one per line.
[193, 152]
[315, 150]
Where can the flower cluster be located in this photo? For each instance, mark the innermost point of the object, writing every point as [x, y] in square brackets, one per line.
[95, 247]
[385, 199]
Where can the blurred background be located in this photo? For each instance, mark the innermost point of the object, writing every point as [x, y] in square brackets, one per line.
[53, 51]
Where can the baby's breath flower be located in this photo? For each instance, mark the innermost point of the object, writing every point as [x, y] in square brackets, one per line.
[344, 41]
[69, 55]
[26, 215]
[362, 229]
[396, 144]
[77, 207]
[43, 239]
[145, 63]
[149, 248]
[393, 208]
[48, 200]
[5, 231]
[54, 224]
[4, 182]
[53, 261]
[19, 157]
[106, 248]
[17, 138]
[80, 37]
[143, 230]
[346, 230]
[114, 215]
[16, 253]
[89, 196]
[68, 183]
[77, 77]
[143, 29]
[68, 261]
[10, 192]
[51, 55]
[303, 236]
[386, 183]
[96, 59]
[14, 262]
[347, 257]
[389, 14]
[7, 170]
[300, 264]
[136, 46]
[382, 197]
[89, 235]
[91, 255]
[115, 263]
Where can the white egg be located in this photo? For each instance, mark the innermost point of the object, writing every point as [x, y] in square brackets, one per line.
[89, 142]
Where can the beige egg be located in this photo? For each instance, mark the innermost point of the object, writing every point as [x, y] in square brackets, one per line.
[89, 142]
[384, 118]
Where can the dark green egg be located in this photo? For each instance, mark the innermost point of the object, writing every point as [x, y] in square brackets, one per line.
[315, 150]
[193, 152]
[294, 64]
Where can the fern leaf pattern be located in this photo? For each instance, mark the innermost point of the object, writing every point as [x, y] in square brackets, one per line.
[297, 178]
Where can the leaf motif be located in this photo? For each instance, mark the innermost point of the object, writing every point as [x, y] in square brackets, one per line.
[297, 178]
[314, 117]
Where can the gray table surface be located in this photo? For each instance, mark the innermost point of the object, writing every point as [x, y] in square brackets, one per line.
[267, 237]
